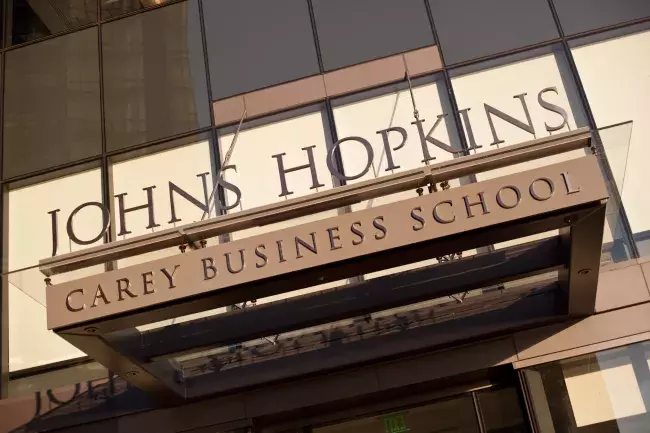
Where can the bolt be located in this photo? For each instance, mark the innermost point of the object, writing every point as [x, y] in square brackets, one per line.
[131, 373]
[420, 191]
[584, 271]
[203, 243]
[91, 329]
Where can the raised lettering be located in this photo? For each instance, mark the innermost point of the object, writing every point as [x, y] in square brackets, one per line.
[173, 188]
[438, 218]
[242, 261]
[481, 201]
[334, 237]
[553, 108]
[536, 195]
[512, 188]
[567, 183]
[261, 255]
[146, 282]
[311, 247]
[428, 138]
[170, 277]
[122, 210]
[382, 229]
[331, 158]
[55, 231]
[105, 221]
[357, 232]
[491, 111]
[99, 294]
[230, 187]
[123, 286]
[311, 165]
[68, 304]
[280, 251]
[387, 149]
[208, 267]
[417, 218]
[469, 132]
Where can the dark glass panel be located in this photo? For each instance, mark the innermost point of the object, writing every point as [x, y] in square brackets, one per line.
[578, 16]
[154, 76]
[353, 32]
[52, 103]
[254, 44]
[114, 8]
[501, 411]
[33, 19]
[470, 29]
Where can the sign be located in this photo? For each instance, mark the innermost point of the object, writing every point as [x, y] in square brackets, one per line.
[393, 141]
[327, 242]
[395, 423]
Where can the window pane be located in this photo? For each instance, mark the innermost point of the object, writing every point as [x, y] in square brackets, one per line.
[520, 99]
[623, 60]
[469, 29]
[161, 181]
[501, 412]
[248, 48]
[30, 214]
[575, 18]
[353, 32]
[607, 391]
[37, 18]
[155, 81]
[114, 8]
[51, 103]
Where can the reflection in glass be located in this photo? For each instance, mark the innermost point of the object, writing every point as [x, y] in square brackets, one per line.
[618, 91]
[501, 412]
[155, 80]
[114, 8]
[34, 19]
[51, 111]
[607, 391]
[30, 211]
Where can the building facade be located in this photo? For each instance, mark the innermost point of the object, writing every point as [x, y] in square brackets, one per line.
[273, 145]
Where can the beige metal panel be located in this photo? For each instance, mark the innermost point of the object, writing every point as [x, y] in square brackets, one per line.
[285, 96]
[592, 330]
[621, 287]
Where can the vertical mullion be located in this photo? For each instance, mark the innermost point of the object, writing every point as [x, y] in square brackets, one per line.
[600, 149]
[477, 412]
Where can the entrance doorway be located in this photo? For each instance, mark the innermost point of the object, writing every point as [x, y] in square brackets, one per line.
[492, 410]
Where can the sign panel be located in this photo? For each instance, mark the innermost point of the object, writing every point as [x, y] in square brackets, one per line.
[328, 241]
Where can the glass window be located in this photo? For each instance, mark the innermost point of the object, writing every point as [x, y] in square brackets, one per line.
[453, 415]
[614, 73]
[114, 8]
[253, 44]
[159, 191]
[51, 111]
[38, 18]
[575, 18]
[385, 119]
[501, 411]
[470, 29]
[517, 99]
[607, 391]
[351, 32]
[155, 81]
[45, 219]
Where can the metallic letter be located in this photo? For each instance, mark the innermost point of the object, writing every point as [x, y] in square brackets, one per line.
[554, 108]
[567, 183]
[387, 148]
[261, 255]
[438, 218]
[331, 158]
[357, 232]
[121, 289]
[99, 294]
[283, 171]
[380, 227]
[69, 306]
[209, 266]
[334, 237]
[105, 222]
[489, 110]
[417, 218]
[311, 247]
[468, 129]
[229, 186]
[538, 197]
[481, 201]
[173, 188]
[55, 231]
[280, 251]
[170, 277]
[147, 282]
[428, 138]
[500, 200]
[243, 262]
[123, 210]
